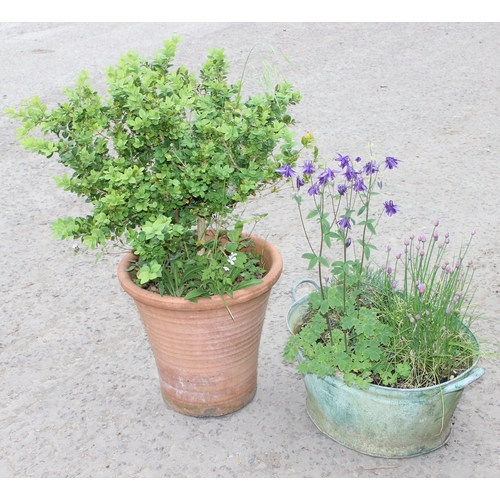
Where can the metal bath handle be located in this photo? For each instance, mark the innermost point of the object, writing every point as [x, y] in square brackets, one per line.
[305, 280]
[461, 384]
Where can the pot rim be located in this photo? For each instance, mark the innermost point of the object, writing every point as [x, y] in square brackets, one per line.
[273, 264]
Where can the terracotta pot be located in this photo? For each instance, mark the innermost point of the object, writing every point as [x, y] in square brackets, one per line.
[207, 363]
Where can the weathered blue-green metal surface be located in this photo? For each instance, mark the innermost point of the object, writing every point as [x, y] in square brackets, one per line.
[381, 421]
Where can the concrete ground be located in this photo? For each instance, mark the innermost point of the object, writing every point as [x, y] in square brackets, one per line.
[79, 394]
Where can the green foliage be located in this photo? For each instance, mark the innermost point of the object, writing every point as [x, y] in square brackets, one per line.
[162, 150]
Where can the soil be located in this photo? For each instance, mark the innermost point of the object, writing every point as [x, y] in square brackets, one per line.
[79, 392]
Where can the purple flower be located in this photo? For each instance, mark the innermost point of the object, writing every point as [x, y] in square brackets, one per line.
[350, 174]
[300, 183]
[358, 159]
[344, 223]
[308, 168]
[359, 184]
[370, 168]
[286, 171]
[390, 208]
[341, 188]
[348, 242]
[314, 189]
[343, 160]
[421, 288]
[391, 162]
[325, 176]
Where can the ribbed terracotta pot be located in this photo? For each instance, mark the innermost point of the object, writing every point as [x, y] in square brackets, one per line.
[207, 363]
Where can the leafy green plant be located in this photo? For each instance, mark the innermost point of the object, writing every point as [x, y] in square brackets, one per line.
[401, 325]
[163, 159]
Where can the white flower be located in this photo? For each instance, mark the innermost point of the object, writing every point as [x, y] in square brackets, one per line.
[232, 258]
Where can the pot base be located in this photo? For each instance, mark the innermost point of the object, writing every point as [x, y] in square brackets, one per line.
[197, 410]
[324, 424]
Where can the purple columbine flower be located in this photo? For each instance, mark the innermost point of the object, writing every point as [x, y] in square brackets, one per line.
[370, 168]
[314, 189]
[390, 208]
[300, 183]
[325, 176]
[348, 242]
[391, 162]
[308, 168]
[350, 174]
[344, 223]
[343, 160]
[341, 188]
[286, 171]
[359, 184]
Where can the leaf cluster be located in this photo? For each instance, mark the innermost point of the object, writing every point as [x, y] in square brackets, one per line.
[161, 150]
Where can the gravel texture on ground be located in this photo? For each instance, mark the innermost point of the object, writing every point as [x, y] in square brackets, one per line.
[79, 394]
